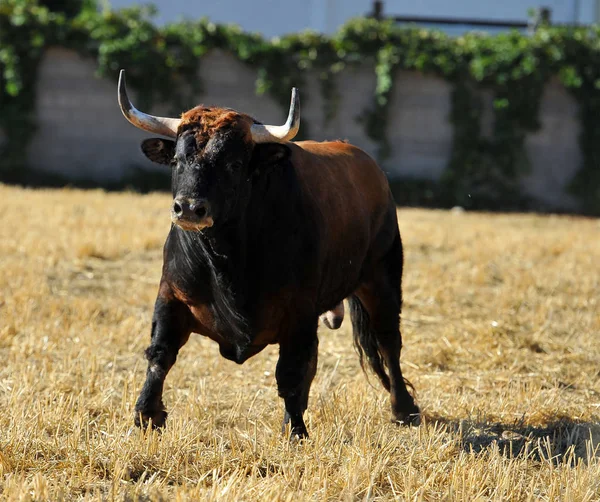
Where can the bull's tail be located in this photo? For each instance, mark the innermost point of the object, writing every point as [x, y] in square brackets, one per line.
[365, 340]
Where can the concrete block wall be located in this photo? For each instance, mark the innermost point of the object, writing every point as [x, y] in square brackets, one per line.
[554, 150]
[81, 131]
[419, 129]
[82, 134]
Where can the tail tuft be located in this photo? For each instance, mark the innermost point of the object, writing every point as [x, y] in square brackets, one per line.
[365, 341]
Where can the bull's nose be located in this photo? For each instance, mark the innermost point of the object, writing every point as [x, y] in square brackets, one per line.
[190, 209]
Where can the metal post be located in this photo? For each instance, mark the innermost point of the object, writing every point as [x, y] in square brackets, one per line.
[540, 16]
[377, 10]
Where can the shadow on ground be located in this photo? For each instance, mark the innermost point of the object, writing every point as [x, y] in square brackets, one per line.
[563, 441]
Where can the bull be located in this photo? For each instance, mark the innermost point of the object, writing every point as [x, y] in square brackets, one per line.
[268, 236]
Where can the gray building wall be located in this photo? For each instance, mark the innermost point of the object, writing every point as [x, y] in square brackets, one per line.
[82, 133]
[279, 17]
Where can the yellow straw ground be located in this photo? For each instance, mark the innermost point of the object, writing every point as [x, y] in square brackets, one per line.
[501, 329]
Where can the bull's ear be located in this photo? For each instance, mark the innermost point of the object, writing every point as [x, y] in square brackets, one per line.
[159, 150]
[270, 154]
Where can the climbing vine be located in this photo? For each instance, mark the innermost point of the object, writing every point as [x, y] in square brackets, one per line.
[24, 32]
[164, 65]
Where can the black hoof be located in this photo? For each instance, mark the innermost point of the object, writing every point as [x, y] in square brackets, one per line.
[298, 434]
[408, 418]
[156, 418]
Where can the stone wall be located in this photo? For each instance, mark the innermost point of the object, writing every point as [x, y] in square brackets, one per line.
[82, 133]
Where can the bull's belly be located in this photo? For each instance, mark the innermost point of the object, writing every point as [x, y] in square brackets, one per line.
[271, 322]
[229, 347]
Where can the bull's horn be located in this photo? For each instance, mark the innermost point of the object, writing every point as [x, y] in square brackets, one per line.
[158, 125]
[279, 134]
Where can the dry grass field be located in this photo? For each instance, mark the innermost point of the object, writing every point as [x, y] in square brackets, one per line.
[502, 342]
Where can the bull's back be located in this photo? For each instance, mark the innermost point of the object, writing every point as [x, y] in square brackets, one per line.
[355, 215]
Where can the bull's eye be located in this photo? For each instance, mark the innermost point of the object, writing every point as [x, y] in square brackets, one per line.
[235, 166]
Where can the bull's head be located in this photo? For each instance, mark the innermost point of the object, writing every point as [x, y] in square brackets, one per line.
[213, 152]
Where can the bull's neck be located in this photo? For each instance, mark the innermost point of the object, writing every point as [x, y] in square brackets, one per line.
[227, 246]
[209, 267]
[221, 248]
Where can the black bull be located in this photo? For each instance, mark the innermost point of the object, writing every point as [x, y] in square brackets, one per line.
[268, 235]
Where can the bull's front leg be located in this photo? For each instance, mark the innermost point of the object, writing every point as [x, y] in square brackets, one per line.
[296, 369]
[170, 331]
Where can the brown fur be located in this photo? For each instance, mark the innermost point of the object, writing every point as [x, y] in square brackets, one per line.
[316, 226]
[205, 121]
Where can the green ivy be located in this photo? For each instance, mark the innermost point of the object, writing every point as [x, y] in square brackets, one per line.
[577, 63]
[25, 30]
[162, 64]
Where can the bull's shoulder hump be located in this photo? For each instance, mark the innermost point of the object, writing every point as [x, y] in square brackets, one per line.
[338, 174]
[339, 160]
[333, 154]
[331, 148]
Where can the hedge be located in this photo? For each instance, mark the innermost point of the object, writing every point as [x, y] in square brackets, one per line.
[482, 171]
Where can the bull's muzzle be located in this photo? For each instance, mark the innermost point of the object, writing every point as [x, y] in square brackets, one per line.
[191, 214]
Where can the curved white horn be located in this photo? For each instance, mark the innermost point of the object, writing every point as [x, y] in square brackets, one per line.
[280, 134]
[158, 125]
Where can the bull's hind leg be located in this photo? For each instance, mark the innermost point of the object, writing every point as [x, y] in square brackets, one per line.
[375, 312]
[296, 368]
[170, 331]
